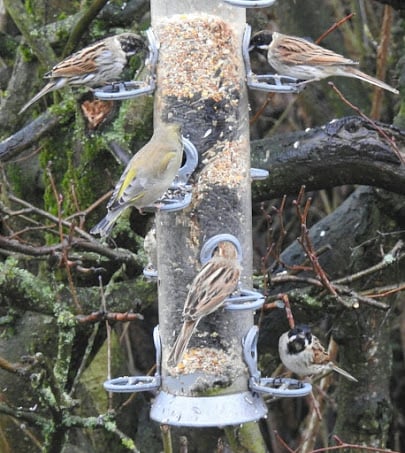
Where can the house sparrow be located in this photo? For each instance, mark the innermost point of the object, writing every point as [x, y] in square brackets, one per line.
[303, 60]
[96, 64]
[147, 176]
[302, 353]
[217, 279]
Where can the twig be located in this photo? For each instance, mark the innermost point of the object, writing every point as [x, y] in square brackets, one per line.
[343, 445]
[98, 316]
[166, 438]
[51, 217]
[8, 244]
[93, 206]
[183, 445]
[26, 415]
[84, 361]
[30, 134]
[287, 308]
[375, 126]
[345, 291]
[283, 443]
[286, 278]
[334, 27]
[91, 244]
[382, 57]
[108, 330]
[37, 41]
[65, 257]
[261, 109]
[385, 291]
[274, 249]
[82, 25]
[306, 242]
[388, 260]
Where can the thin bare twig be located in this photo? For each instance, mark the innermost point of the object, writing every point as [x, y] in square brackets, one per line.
[306, 243]
[375, 126]
[334, 27]
[343, 445]
[288, 311]
[51, 217]
[382, 57]
[389, 259]
[65, 257]
[384, 291]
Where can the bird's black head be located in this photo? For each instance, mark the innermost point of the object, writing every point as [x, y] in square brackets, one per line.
[131, 43]
[299, 338]
[261, 40]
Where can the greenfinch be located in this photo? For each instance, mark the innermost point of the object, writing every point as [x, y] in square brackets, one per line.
[147, 176]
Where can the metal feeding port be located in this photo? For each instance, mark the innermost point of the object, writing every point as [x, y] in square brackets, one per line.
[132, 384]
[127, 90]
[206, 411]
[276, 387]
[273, 83]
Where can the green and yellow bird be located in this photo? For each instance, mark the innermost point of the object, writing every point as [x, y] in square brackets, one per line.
[147, 176]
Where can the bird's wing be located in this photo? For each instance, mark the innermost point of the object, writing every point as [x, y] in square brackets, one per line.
[164, 163]
[129, 186]
[320, 356]
[300, 51]
[216, 281]
[79, 63]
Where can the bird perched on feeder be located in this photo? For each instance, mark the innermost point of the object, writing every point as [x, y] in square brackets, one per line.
[147, 176]
[97, 64]
[217, 280]
[302, 353]
[296, 57]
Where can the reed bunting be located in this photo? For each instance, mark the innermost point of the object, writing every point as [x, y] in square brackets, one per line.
[302, 353]
[147, 176]
[303, 60]
[217, 280]
[94, 65]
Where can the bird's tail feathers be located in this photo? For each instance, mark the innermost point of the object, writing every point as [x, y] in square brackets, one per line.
[344, 373]
[367, 78]
[181, 343]
[104, 227]
[51, 86]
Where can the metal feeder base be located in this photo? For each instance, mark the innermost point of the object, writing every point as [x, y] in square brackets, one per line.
[211, 411]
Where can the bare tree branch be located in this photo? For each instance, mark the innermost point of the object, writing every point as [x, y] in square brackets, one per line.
[344, 151]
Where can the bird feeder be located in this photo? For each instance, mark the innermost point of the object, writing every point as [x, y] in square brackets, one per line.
[201, 83]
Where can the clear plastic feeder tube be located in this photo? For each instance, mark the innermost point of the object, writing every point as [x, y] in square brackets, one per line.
[200, 82]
